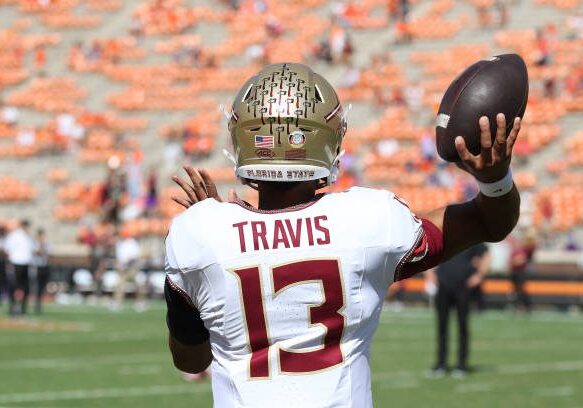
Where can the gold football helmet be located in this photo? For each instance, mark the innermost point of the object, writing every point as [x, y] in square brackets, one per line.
[287, 125]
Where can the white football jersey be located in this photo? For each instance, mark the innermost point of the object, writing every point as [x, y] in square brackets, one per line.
[292, 298]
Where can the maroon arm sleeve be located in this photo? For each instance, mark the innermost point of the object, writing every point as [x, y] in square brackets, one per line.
[426, 254]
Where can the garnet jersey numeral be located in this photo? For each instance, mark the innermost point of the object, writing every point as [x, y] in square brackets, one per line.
[326, 271]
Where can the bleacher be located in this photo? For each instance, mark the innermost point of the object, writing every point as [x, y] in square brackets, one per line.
[99, 79]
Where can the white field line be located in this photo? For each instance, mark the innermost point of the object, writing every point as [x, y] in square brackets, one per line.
[99, 393]
[553, 392]
[540, 367]
[142, 369]
[397, 384]
[82, 363]
[476, 387]
[510, 369]
[386, 346]
[68, 339]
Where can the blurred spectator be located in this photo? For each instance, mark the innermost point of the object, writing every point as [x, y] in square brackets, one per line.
[257, 53]
[402, 32]
[18, 54]
[397, 97]
[70, 130]
[104, 251]
[9, 115]
[484, 16]
[520, 266]
[414, 96]
[41, 262]
[19, 247]
[574, 81]
[75, 55]
[543, 54]
[427, 145]
[26, 137]
[455, 279]
[350, 77]
[393, 8]
[113, 191]
[468, 188]
[387, 147]
[547, 212]
[252, 6]
[549, 87]
[445, 175]
[339, 44]
[94, 52]
[3, 281]
[134, 176]
[574, 26]
[404, 9]
[274, 26]
[151, 192]
[87, 236]
[572, 244]
[503, 13]
[127, 255]
[40, 59]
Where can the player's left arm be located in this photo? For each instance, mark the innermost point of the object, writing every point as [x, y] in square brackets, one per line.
[188, 339]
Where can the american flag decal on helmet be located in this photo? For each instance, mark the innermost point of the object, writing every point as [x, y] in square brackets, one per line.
[264, 141]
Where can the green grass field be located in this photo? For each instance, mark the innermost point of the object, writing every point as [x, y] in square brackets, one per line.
[93, 357]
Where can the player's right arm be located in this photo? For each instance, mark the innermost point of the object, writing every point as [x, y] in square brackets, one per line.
[483, 219]
[451, 229]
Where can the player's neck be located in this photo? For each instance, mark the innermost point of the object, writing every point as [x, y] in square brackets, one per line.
[275, 196]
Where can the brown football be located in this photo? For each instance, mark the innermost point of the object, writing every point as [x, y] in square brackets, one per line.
[486, 88]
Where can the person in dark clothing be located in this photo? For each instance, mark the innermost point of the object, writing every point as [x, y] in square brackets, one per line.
[455, 280]
[520, 265]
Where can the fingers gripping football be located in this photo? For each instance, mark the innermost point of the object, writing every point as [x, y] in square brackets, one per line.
[493, 161]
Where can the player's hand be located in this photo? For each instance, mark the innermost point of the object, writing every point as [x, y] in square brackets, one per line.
[493, 161]
[474, 281]
[200, 188]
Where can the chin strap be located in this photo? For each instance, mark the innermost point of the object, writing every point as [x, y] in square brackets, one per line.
[228, 115]
[346, 112]
[335, 170]
[230, 157]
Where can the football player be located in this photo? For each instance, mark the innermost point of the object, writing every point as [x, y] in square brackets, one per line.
[284, 299]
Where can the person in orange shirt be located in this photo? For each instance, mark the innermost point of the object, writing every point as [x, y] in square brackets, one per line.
[40, 59]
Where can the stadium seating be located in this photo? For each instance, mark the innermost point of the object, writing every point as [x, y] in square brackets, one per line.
[156, 79]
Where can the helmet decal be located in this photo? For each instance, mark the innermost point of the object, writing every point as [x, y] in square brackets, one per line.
[297, 139]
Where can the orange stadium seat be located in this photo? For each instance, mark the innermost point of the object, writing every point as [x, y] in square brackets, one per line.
[14, 190]
[149, 76]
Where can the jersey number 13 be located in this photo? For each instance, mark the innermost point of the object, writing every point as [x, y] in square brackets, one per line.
[323, 271]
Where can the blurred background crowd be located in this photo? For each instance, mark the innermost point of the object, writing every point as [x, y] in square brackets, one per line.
[101, 101]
